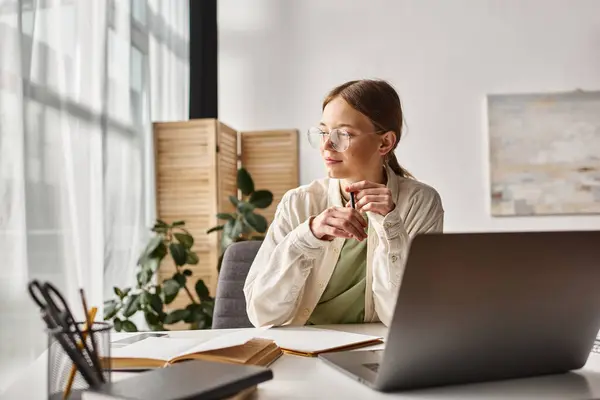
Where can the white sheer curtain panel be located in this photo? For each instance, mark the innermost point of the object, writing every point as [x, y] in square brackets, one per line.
[80, 83]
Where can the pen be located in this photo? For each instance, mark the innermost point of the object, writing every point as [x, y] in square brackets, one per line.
[352, 200]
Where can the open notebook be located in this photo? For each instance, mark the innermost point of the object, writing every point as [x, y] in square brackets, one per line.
[305, 341]
[160, 352]
[257, 346]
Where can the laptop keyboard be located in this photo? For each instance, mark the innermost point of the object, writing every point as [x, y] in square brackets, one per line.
[596, 348]
[372, 366]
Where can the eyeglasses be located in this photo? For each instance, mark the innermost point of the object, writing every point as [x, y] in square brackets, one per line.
[340, 140]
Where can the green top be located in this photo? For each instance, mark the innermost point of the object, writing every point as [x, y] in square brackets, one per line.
[343, 301]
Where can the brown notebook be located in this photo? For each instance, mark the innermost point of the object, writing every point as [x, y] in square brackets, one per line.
[161, 352]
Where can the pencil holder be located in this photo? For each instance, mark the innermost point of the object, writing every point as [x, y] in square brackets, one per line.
[70, 367]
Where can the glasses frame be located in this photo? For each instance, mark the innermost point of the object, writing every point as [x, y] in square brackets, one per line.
[335, 131]
[318, 131]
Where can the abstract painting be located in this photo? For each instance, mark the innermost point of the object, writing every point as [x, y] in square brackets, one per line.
[544, 153]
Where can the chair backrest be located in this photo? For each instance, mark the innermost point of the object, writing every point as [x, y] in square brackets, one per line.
[230, 303]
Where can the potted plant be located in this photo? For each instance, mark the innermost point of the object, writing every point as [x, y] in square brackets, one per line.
[150, 297]
[244, 222]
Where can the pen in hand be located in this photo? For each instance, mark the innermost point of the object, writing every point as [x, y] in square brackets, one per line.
[353, 202]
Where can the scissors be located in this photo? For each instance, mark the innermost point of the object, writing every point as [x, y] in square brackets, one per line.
[57, 315]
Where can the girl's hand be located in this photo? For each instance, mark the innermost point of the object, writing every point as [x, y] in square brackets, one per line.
[339, 222]
[374, 197]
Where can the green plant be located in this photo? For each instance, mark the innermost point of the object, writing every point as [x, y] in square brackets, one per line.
[243, 223]
[150, 297]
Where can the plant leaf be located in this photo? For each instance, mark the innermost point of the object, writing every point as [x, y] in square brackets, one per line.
[150, 247]
[179, 253]
[225, 216]
[152, 264]
[145, 298]
[215, 228]
[178, 223]
[129, 326]
[247, 229]
[232, 232]
[145, 275]
[170, 288]
[198, 318]
[159, 252]
[192, 258]
[195, 313]
[227, 237]
[187, 272]
[245, 182]
[234, 200]
[180, 278]
[159, 229]
[118, 324]
[261, 198]
[151, 318]
[119, 292]
[202, 290]
[111, 308]
[184, 239]
[156, 303]
[208, 306]
[132, 305]
[257, 221]
[244, 207]
[176, 316]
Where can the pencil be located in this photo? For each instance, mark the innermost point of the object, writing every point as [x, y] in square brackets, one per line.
[90, 317]
[94, 354]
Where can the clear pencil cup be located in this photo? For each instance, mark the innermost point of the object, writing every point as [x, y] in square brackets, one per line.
[68, 378]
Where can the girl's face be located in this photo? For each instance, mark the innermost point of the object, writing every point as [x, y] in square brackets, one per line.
[353, 150]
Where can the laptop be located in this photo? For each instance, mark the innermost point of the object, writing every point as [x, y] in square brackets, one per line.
[477, 307]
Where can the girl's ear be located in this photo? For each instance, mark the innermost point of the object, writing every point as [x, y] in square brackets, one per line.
[388, 140]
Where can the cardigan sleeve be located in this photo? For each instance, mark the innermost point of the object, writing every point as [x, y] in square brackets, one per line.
[278, 274]
[425, 214]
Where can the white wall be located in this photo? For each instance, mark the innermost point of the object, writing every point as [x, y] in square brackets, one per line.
[278, 58]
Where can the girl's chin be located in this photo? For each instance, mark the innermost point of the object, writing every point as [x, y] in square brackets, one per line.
[337, 173]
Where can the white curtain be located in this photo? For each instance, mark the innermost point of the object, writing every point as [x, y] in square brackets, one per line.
[80, 83]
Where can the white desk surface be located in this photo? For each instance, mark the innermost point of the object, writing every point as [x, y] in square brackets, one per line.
[309, 378]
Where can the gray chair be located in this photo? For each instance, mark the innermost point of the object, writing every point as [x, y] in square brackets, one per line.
[230, 303]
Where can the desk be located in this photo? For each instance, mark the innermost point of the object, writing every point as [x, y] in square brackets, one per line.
[309, 378]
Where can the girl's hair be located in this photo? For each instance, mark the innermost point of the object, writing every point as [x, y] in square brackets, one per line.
[379, 101]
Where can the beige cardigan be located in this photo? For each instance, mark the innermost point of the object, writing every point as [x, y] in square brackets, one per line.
[292, 267]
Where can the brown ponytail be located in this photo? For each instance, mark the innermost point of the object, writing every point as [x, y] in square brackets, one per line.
[395, 166]
[379, 101]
